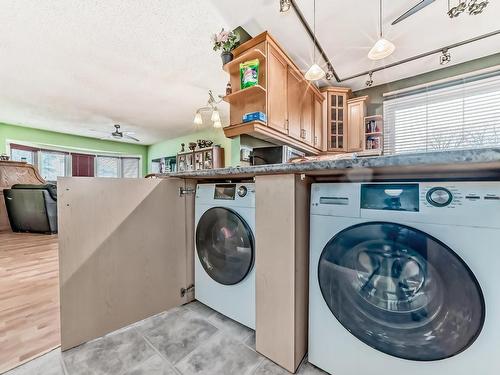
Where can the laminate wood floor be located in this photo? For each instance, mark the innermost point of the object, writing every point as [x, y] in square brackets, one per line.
[29, 297]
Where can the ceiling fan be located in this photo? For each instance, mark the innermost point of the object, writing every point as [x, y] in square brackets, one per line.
[421, 5]
[120, 135]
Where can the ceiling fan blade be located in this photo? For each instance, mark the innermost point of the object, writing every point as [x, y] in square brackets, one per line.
[421, 5]
[130, 137]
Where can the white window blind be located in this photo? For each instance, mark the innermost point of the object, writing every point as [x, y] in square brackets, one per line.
[107, 166]
[456, 115]
[130, 167]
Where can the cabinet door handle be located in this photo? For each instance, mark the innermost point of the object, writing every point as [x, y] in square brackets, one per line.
[286, 124]
[315, 140]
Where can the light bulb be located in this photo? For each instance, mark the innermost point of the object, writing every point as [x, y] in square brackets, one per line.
[217, 124]
[315, 73]
[215, 115]
[197, 119]
[381, 49]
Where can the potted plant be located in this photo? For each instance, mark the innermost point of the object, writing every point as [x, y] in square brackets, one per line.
[226, 41]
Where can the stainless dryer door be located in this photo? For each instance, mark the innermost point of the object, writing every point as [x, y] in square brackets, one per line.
[401, 291]
[225, 245]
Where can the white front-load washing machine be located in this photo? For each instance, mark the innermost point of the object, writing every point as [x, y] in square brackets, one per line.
[403, 278]
[225, 249]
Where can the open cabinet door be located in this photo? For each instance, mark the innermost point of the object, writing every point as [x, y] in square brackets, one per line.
[125, 252]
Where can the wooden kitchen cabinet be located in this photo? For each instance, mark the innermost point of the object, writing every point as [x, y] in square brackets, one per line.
[307, 119]
[356, 112]
[276, 101]
[319, 128]
[336, 118]
[282, 94]
[294, 94]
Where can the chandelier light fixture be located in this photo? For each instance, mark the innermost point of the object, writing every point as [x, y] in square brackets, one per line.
[315, 72]
[382, 47]
[210, 107]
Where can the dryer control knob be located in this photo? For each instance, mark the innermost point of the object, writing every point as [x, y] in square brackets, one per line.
[439, 197]
[242, 191]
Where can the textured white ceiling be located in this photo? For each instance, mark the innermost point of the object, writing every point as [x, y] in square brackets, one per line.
[347, 29]
[76, 66]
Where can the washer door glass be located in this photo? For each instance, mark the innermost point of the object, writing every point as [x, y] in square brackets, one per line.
[225, 245]
[401, 291]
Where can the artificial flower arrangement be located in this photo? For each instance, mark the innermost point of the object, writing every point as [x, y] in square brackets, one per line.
[226, 41]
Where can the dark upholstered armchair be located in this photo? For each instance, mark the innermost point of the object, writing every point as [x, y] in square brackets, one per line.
[32, 208]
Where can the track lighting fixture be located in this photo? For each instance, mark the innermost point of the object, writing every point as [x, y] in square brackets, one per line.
[445, 56]
[474, 7]
[369, 82]
[329, 74]
[211, 106]
[285, 5]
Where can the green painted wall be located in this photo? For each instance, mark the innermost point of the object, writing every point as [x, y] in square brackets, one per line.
[21, 133]
[375, 100]
[171, 147]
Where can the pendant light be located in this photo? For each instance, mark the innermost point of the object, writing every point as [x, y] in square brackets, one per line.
[198, 120]
[382, 47]
[315, 72]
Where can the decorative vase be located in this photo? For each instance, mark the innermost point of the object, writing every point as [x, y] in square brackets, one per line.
[226, 57]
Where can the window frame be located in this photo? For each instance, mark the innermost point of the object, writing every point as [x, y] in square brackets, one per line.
[38, 148]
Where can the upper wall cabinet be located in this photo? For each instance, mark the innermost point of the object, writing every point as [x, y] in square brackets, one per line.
[282, 93]
[336, 118]
[356, 112]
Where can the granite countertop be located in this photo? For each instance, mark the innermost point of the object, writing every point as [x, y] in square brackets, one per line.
[486, 157]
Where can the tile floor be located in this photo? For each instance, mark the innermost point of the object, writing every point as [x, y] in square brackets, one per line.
[191, 339]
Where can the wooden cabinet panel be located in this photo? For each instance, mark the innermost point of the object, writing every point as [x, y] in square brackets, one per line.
[318, 124]
[306, 120]
[276, 91]
[337, 121]
[294, 95]
[356, 109]
[130, 261]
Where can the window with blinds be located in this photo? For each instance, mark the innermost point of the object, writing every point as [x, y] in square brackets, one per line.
[130, 167]
[461, 114]
[107, 166]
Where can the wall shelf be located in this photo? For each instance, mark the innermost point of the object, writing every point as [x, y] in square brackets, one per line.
[244, 94]
[246, 56]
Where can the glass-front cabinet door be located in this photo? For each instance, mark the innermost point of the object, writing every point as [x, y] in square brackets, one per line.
[337, 118]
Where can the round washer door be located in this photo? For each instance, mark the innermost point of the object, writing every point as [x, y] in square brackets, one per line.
[225, 245]
[401, 291]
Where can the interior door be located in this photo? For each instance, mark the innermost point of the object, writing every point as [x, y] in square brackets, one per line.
[307, 119]
[294, 99]
[276, 91]
[126, 249]
[401, 291]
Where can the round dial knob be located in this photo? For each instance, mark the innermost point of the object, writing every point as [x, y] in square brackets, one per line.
[242, 191]
[439, 197]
